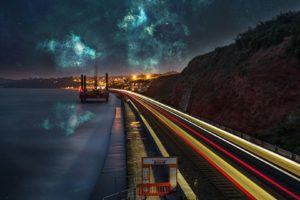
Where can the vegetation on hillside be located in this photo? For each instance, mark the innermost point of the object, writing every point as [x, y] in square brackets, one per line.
[286, 134]
[273, 32]
[251, 85]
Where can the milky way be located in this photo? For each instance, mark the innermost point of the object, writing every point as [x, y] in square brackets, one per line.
[153, 34]
[54, 37]
[71, 52]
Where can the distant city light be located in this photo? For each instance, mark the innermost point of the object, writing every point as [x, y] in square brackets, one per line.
[134, 77]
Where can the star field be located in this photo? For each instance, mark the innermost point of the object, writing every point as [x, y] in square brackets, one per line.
[65, 37]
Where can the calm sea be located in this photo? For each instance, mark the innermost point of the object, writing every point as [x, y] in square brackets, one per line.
[51, 146]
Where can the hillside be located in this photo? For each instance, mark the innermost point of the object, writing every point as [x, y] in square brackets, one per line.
[39, 83]
[250, 86]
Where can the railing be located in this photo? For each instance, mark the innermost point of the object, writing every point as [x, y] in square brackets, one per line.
[154, 189]
[273, 148]
[256, 141]
[122, 195]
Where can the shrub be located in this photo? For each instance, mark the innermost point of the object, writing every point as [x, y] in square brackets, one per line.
[272, 32]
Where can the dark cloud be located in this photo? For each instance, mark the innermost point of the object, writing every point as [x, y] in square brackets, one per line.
[151, 35]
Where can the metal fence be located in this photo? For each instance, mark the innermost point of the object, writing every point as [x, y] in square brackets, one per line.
[128, 194]
[256, 141]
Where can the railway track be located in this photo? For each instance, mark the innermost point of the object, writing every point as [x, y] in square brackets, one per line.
[205, 180]
[219, 168]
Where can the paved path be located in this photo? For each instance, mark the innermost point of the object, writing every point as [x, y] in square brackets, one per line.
[113, 175]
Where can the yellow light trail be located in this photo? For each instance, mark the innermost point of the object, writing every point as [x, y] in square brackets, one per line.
[284, 163]
[189, 194]
[247, 184]
[288, 167]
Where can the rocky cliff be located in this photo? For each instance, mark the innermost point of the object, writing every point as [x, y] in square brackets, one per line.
[252, 86]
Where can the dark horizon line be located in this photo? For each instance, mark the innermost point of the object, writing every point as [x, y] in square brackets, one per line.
[64, 76]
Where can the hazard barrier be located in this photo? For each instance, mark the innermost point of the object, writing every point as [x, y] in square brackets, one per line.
[154, 189]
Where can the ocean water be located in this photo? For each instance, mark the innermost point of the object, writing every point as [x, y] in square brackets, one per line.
[51, 146]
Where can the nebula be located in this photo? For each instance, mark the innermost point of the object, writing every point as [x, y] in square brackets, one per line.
[71, 52]
[64, 37]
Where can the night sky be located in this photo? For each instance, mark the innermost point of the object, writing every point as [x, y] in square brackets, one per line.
[44, 38]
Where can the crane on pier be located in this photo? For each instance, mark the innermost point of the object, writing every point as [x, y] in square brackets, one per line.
[97, 92]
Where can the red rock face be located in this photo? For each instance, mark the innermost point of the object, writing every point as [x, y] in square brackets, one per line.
[248, 92]
[162, 88]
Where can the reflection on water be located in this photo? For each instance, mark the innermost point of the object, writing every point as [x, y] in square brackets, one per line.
[38, 160]
[66, 117]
